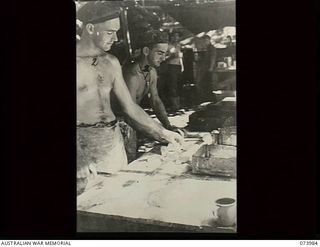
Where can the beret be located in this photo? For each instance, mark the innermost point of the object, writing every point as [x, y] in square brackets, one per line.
[152, 37]
[98, 11]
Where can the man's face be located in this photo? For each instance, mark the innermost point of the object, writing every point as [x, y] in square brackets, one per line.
[157, 54]
[105, 34]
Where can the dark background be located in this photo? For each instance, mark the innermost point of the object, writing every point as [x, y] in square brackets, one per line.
[203, 17]
[276, 117]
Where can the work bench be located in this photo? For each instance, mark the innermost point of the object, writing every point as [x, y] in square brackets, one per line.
[154, 195]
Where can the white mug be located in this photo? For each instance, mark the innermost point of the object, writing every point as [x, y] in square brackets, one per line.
[226, 212]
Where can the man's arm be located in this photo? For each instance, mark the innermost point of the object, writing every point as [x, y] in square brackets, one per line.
[156, 102]
[132, 83]
[139, 119]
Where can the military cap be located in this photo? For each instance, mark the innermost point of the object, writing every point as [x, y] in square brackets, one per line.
[151, 38]
[98, 11]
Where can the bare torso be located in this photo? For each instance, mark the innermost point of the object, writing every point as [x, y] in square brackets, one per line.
[94, 83]
[174, 49]
[142, 80]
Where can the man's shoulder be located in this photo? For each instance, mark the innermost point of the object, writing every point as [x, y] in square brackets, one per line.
[153, 73]
[129, 65]
[112, 60]
[80, 60]
[131, 68]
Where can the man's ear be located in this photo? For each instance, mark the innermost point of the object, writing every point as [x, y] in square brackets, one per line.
[90, 28]
[145, 51]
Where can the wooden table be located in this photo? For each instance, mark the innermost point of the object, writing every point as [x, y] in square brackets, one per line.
[154, 194]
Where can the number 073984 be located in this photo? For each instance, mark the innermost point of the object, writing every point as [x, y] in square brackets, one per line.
[305, 242]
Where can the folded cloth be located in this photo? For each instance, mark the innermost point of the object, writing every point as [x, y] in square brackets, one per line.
[101, 147]
[130, 140]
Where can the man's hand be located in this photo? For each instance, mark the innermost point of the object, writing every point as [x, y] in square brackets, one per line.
[173, 138]
[180, 131]
[171, 127]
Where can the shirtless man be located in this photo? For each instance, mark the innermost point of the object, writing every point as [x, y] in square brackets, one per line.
[99, 141]
[141, 78]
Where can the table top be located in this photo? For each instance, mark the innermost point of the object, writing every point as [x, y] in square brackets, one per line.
[228, 69]
[158, 191]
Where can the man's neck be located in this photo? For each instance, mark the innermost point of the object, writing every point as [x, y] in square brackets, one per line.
[143, 64]
[85, 48]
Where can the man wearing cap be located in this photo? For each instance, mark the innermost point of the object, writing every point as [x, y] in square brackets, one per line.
[141, 78]
[99, 141]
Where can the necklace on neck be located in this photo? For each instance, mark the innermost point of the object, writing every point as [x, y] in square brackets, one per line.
[145, 76]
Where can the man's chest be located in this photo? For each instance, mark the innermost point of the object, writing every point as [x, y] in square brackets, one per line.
[92, 79]
[143, 86]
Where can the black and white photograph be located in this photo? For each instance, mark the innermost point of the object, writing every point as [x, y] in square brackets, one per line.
[159, 120]
[156, 116]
